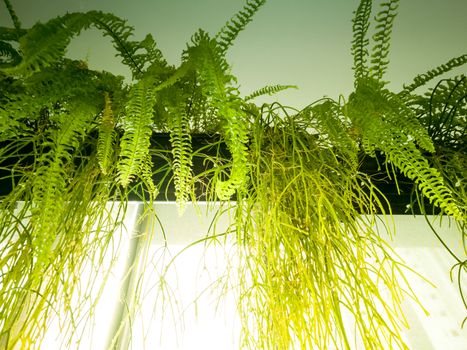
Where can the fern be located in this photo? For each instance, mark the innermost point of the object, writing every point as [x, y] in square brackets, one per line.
[106, 138]
[422, 79]
[147, 177]
[50, 180]
[212, 69]
[236, 138]
[326, 119]
[129, 51]
[237, 23]
[361, 22]
[45, 44]
[137, 123]
[180, 138]
[385, 126]
[380, 51]
[268, 90]
[12, 13]
[429, 180]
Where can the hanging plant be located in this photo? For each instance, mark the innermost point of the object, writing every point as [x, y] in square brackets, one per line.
[73, 140]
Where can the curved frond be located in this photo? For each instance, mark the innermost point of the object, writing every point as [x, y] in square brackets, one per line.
[137, 55]
[422, 79]
[379, 56]
[327, 121]
[213, 71]
[237, 23]
[387, 128]
[268, 90]
[45, 44]
[361, 22]
[137, 123]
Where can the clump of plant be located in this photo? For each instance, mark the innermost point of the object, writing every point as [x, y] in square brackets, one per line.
[311, 265]
[73, 139]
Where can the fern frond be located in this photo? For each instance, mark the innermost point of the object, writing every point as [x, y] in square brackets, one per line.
[237, 23]
[422, 79]
[382, 124]
[12, 13]
[179, 73]
[404, 118]
[326, 118]
[147, 177]
[385, 20]
[129, 51]
[50, 180]
[269, 90]
[106, 138]
[236, 138]
[45, 44]
[209, 61]
[411, 163]
[360, 24]
[137, 123]
[9, 56]
[180, 138]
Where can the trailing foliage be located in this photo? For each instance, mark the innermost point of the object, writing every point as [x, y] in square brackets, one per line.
[387, 125]
[107, 135]
[311, 265]
[180, 139]
[73, 139]
[216, 82]
[137, 125]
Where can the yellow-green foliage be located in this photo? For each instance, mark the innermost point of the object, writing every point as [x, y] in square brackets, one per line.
[49, 185]
[137, 124]
[106, 140]
[310, 266]
[217, 84]
[386, 124]
[180, 139]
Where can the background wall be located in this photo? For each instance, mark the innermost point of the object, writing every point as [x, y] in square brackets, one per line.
[301, 42]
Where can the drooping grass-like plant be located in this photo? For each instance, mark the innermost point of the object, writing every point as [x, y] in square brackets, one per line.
[311, 265]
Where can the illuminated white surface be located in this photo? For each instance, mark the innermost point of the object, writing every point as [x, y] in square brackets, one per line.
[179, 318]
